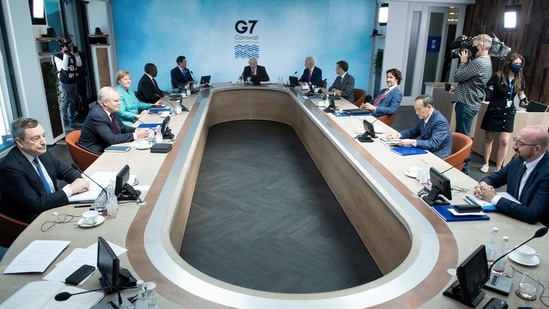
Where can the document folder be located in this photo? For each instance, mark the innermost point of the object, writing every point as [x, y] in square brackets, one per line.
[443, 211]
[408, 151]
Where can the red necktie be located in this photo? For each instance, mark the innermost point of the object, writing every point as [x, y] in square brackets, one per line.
[310, 74]
[114, 129]
[381, 96]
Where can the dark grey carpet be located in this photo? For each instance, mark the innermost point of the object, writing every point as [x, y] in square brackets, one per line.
[262, 216]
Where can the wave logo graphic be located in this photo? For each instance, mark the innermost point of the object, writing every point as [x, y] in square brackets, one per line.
[246, 51]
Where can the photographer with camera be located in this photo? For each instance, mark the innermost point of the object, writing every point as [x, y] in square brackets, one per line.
[472, 74]
[67, 64]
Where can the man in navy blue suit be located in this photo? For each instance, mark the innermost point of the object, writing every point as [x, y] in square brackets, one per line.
[387, 101]
[180, 75]
[526, 177]
[311, 74]
[432, 132]
[103, 127]
[29, 174]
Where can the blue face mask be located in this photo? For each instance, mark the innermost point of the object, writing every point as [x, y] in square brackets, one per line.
[515, 67]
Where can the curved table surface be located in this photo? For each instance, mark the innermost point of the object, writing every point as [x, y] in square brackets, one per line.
[417, 282]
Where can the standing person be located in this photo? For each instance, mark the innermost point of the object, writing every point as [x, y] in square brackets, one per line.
[311, 74]
[29, 174]
[103, 128]
[255, 72]
[82, 88]
[387, 101]
[180, 75]
[131, 108]
[432, 132]
[147, 89]
[526, 178]
[472, 74]
[344, 83]
[500, 114]
[67, 65]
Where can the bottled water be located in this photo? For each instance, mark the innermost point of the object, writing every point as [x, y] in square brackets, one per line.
[499, 267]
[158, 135]
[112, 201]
[491, 246]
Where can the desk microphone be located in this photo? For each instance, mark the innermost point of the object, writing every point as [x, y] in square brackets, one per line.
[453, 166]
[295, 73]
[137, 120]
[501, 284]
[66, 295]
[173, 107]
[81, 171]
[192, 75]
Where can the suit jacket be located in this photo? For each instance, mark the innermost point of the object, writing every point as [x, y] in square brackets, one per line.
[389, 104]
[23, 195]
[316, 77]
[147, 91]
[261, 73]
[97, 133]
[534, 200]
[178, 80]
[346, 85]
[435, 136]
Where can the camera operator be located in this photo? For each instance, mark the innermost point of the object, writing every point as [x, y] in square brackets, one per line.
[472, 74]
[67, 64]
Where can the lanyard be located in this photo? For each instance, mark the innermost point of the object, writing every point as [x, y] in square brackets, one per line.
[511, 88]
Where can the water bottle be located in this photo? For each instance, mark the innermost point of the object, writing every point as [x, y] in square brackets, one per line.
[499, 267]
[423, 173]
[141, 302]
[158, 135]
[112, 201]
[491, 246]
[150, 295]
[241, 80]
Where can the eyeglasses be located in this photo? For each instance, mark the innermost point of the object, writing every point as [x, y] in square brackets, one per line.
[520, 144]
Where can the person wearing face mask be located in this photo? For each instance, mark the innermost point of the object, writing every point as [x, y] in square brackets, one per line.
[387, 101]
[500, 114]
[472, 74]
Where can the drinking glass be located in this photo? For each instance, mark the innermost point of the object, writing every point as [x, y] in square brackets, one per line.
[528, 287]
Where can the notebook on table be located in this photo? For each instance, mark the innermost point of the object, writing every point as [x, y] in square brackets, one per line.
[357, 111]
[408, 151]
[446, 213]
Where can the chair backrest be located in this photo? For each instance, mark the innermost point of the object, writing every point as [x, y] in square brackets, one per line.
[82, 157]
[360, 96]
[461, 147]
[388, 119]
[10, 228]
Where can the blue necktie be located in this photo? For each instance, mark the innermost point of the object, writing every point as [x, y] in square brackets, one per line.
[42, 177]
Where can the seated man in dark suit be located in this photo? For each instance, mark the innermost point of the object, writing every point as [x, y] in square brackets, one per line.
[311, 74]
[180, 75]
[29, 174]
[526, 177]
[387, 101]
[147, 89]
[255, 72]
[103, 128]
[344, 83]
[432, 131]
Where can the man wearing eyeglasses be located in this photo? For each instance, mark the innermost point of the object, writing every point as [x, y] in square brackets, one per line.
[103, 128]
[29, 174]
[526, 177]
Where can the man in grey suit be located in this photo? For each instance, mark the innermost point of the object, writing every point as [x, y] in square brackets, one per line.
[526, 177]
[344, 83]
[432, 132]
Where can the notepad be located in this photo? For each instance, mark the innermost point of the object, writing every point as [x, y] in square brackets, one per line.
[159, 110]
[115, 148]
[445, 212]
[408, 151]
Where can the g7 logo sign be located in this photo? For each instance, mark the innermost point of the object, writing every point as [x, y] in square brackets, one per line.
[241, 26]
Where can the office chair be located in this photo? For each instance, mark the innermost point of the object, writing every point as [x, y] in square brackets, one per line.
[10, 228]
[82, 157]
[461, 147]
[388, 119]
[360, 96]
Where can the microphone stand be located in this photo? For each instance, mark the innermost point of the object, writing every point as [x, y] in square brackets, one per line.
[76, 167]
[499, 283]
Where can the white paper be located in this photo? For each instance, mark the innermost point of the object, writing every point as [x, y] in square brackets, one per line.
[37, 256]
[71, 263]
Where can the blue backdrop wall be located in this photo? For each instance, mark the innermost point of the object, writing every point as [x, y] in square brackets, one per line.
[217, 37]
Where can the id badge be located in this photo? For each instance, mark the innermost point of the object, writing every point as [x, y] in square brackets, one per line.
[509, 103]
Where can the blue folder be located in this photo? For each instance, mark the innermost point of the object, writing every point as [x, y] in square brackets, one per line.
[443, 212]
[148, 125]
[158, 110]
[408, 151]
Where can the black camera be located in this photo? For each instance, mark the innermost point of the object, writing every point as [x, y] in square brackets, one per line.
[498, 49]
[460, 43]
[64, 42]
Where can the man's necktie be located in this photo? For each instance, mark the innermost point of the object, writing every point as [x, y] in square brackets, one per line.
[184, 73]
[42, 176]
[254, 72]
[310, 74]
[521, 182]
[380, 97]
[114, 129]
[155, 84]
